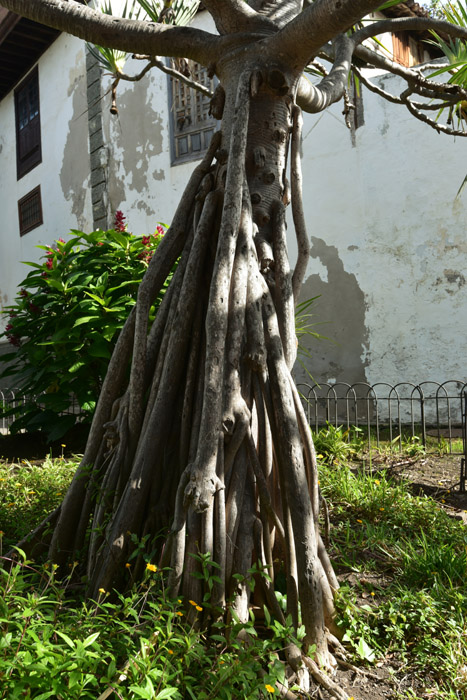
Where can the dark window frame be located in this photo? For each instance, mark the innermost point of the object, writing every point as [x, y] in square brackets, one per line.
[36, 192]
[195, 129]
[32, 129]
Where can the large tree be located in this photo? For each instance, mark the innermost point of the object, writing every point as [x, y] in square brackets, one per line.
[199, 431]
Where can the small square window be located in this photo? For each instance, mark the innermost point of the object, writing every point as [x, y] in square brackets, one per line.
[30, 211]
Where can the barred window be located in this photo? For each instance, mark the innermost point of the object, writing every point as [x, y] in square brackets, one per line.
[30, 211]
[192, 127]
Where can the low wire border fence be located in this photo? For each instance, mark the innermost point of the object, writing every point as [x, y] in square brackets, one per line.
[386, 411]
[393, 412]
[14, 398]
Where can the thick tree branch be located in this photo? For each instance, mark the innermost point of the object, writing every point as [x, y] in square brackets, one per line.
[122, 34]
[406, 24]
[279, 11]
[316, 98]
[233, 16]
[302, 38]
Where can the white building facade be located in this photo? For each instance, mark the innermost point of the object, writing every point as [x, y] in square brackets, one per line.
[389, 249]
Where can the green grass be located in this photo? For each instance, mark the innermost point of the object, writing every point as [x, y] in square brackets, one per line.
[29, 492]
[407, 561]
[337, 443]
[403, 603]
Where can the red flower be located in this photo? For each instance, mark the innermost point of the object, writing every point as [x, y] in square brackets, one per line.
[119, 224]
[44, 274]
[160, 230]
[34, 308]
[14, 340]
[8, 327]
[23, 293]
[146, 240]
[100, 242]
[50, 263]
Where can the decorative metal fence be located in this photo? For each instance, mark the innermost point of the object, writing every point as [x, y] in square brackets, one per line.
[10, 399]
[432, 412]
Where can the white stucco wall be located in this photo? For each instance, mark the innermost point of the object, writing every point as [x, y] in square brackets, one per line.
[64, 172]
[388, 233]
[142, 182]
[389, 245]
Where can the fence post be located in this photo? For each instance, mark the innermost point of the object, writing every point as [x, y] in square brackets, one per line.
[464, 443]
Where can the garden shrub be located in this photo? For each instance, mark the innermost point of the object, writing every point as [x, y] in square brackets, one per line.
[65, 321]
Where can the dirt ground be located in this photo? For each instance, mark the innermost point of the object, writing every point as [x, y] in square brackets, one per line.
[435, 476]
[438, 477]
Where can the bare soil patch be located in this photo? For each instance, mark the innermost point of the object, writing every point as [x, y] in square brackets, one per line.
[434, 476]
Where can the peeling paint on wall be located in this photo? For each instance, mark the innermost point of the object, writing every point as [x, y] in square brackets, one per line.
[137, 136]
[341, 309]
[74, 173]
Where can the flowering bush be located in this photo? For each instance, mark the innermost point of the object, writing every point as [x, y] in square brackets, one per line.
[66, 319]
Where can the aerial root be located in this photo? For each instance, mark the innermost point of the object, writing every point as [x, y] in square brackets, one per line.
[340, 654]
[324, 680]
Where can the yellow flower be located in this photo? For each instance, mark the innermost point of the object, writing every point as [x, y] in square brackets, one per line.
[221, 662]
[128, 565]
[359, 521]
[62, 445]
[180, 614]
[101, 590]
[269, 688]
[198, 607]
[170, 651]
[381, 508]
[377, 482]
[179, 600]
[443, 501]
[151, 567]
[192, 602]
[372, 593]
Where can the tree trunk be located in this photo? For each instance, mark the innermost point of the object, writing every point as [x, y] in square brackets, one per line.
[207, 442]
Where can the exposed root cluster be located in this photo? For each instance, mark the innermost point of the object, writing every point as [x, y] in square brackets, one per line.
[199, 431]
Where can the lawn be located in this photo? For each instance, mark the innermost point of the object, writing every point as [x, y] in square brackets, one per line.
[400, 560]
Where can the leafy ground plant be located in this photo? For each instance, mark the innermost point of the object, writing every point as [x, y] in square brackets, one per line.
[404, 561]
[29, 492]
[139, 644]
[65, 322]
[400, 558]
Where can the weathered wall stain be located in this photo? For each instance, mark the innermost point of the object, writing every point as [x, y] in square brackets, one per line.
[75, 164]
[136, 137]
[341, 307]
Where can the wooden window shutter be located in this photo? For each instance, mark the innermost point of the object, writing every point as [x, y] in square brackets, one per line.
[28, 124]
[192, 127]
[30, 211]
